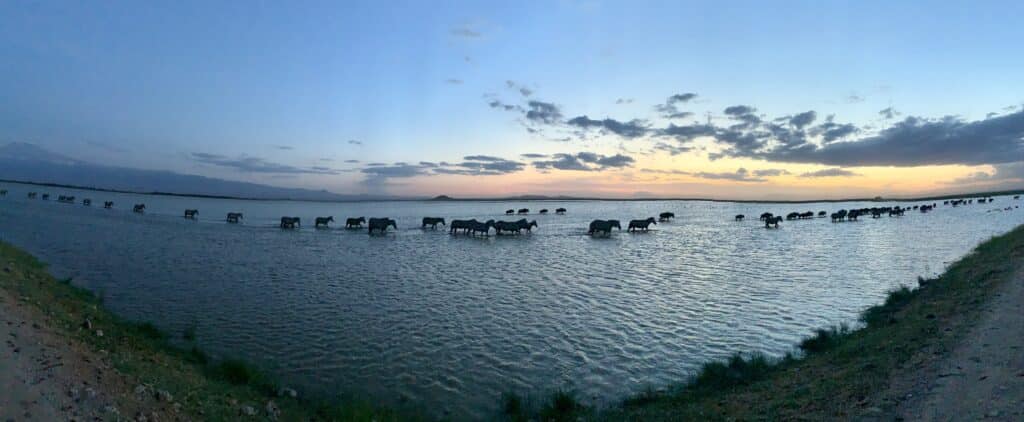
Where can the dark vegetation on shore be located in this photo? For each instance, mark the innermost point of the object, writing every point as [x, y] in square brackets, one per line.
[837, 373]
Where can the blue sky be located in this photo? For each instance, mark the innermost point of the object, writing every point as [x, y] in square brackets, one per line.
[149, 85]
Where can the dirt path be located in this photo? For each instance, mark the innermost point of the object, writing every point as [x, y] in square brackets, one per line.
[44, 376]
[983, 377]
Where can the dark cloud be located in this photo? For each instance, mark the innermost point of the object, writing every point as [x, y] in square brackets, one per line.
[739, 110]
[659, 171]
[671, 149]
[543, 112]
[740, 175]
[533, 156]
[507, 107]
[256, 165]
[771, 172]
[482, 158]
[888, 113]
[689, 132]
[631, 129]
[491, 166]
[585, 161]
[615, 161]
[670, 109]
[351, 161]
[354, 142]
[803, 119]
[832, 172]
[1012, 173]
[916, 142]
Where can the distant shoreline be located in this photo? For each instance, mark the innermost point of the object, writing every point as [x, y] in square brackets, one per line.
[533, 198]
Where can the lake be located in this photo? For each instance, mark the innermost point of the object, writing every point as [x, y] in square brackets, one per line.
[448, 324]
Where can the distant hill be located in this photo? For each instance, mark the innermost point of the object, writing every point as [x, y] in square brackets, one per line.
[26, 162]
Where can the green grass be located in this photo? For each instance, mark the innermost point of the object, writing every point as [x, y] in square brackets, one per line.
[142, 353]
[844, 373]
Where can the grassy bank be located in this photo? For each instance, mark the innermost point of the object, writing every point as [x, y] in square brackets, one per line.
[841, 373]
[141, 353]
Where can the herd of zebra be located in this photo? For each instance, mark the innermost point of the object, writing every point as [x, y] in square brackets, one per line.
[772, 221]
[473, 227]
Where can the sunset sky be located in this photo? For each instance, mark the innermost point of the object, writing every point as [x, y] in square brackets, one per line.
[753, 100]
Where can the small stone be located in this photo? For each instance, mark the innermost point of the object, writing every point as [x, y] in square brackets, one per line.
[140, 390]
[140, 417]
[993, 414]
[176, 407]
[111, 410]
[287, 392]
[99, 333]
[247, 410]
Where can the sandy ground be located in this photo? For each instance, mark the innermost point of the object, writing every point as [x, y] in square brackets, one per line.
[983, 376]
[44, 376]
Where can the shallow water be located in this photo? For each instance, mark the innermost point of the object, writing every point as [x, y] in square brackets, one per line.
[449, 323]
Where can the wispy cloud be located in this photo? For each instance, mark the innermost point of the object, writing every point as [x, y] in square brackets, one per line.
[832, 172]
[247, 164]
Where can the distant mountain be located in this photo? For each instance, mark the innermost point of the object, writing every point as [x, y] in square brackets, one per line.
[26, 162]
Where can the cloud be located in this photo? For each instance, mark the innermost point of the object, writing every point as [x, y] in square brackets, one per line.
[283, 147]
[325, 159]
[543, 112]
[688, 133]
[740, 175]
[771, 172]
[624, 101]
[670, 109]
[803, 119]
[671, 149]
[453, 81]
[354, 142]
[888, 113]
[854, 98]
[507, 107]
[533, 156]
[524, 91]
[488, 166]
[916, 141]
[660, 171]
[585, 161]
[256, 165]
[465, 31]
[351, 161]
[1008, 172]
[631, 129]
[832, 172]
[482, 158]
